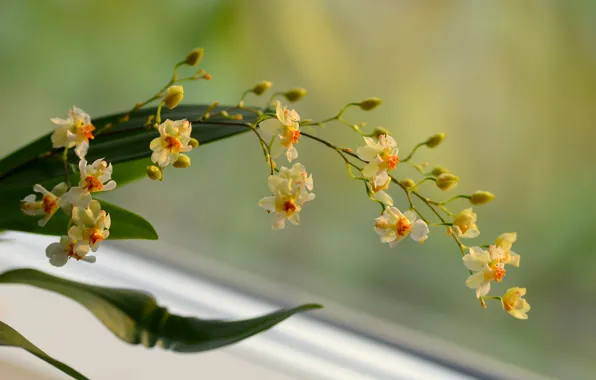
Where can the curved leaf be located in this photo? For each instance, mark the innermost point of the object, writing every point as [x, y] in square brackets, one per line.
[125, 224]
[135, 317]
[125, 141]
[11, 338]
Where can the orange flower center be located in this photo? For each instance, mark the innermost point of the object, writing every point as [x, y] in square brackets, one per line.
[72, 253]
[95, 237]
[93, 184]
[499, 274]
[289, 207]
[50, 203]
[290, 136]
[403, 226]
[496, 273]
[87, 132]
[392, 162]
[172, 143]
[295, 136]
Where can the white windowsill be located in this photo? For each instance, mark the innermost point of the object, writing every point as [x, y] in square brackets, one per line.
[300, 348]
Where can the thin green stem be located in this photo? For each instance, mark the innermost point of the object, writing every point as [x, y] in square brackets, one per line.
[158, 113]
[454, 198]
[412, 152]
[265, 148]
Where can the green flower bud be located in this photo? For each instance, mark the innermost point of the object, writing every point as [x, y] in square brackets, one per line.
[370, 104]
[183, 161]
[295, 94]
[261, 87]
[439, 170]
[378, 131]
[153, 172]
[447, 181]
[193, 142]
[173, 96]
[408, 183]
[481, 197]
[194, 57]
[435, 140]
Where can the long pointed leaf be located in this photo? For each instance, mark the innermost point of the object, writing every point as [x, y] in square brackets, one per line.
[136, 318]
[11, 338]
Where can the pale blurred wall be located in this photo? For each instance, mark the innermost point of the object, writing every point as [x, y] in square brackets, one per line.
[513, 84]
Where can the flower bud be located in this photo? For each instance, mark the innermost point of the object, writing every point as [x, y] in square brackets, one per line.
[194, 57]
[173, 96]
[481, 197]
[183, 161]
[370, 104]
[408, 183]
[295, 94]
[464, 224]
[153, 172]
[378, 131]
[437, 171]
[193, 142]
[447, 181]
[261, 87]
[435, 140]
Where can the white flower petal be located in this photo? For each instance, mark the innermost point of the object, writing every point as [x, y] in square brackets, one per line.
[370, 169]
[475, 280]
[268, 203]
[291, 154]
[382, 196]
[419, 231]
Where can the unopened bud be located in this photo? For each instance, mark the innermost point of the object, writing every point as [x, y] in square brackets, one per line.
[481, 197]
[408, 183]
[194, 57]
[378, 131]
[173, 96]
[295, 94]
[193, 142]
[183, 161]
[260, 88]
[370, 104]
[439, 170]
[153, 172]
[447, 181]
[435, 140]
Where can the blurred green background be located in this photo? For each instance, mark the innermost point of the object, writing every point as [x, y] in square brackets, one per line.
[513, 84]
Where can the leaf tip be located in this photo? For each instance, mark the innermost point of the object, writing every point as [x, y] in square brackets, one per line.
[310, 306]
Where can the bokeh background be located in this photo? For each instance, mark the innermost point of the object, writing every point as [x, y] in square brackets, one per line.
[511, 83]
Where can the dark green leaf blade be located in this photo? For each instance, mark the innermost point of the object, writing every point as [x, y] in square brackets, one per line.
[11, 338]
[127, 141]
[125, 224]
[136, 318]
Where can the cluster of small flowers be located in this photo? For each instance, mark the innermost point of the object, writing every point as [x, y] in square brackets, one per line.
[490, 265]
[393, 225]
[290, 187]
[89, 224]
[174, 139]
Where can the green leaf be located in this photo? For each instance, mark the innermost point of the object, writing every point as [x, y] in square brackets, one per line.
[136, 318]
[125, 224]
[125, 141]
[11, 338]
